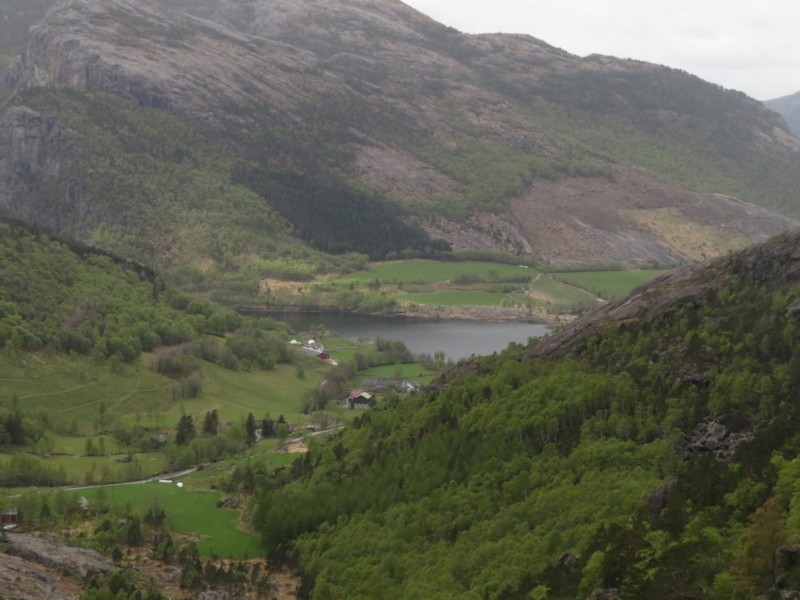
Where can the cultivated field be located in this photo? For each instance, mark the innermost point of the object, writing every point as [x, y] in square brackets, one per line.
[428, 283]
[608, 284]
[193, 512]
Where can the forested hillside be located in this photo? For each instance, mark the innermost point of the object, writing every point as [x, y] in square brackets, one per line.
[656, 458]
[60, 295]
[89, 343]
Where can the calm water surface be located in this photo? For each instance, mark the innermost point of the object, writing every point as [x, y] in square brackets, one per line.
[457, 339]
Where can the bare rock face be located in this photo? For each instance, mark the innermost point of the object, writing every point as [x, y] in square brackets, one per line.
[239, 66]
[77, 562]
[776, 260]
[37, 153]
[712, 437]
[23, 580]
[620, 219]
[34, 568]
[658, 500]
[158, 58]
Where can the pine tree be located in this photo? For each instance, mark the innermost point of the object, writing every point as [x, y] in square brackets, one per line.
[185, 432]
[251, 429]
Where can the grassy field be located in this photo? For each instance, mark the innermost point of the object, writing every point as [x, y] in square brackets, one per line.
[78, 399]
[73, 391]
[608, 284]
[476, 283]
[456, 284]
[413, 371]
[430, 271]
[191, 511]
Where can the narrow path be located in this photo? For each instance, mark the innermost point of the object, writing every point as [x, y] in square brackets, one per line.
[152, 479]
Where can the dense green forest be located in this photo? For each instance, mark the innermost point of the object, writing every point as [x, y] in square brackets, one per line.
[562, 478]
[64, 296]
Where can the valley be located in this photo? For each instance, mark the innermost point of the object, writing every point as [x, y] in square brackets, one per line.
[197, 199]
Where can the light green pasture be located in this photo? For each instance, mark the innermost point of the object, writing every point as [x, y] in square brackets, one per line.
[430, 271]
[190, 511]
[609, 284]
[414, 371]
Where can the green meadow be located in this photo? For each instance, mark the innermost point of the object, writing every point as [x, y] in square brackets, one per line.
[78, 393]
[190, 511]
[481, 283]
[608, 284]
[431, 271]
[413, 371]
[78, 400]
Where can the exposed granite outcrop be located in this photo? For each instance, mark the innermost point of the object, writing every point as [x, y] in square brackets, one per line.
[76, 562]
[776, 260]
[237, 66]
[24, 580]
[38, 160]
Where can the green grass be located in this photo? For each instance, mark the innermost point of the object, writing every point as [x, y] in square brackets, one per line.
[419, 277]
[264, 451]
[429, 271]
[609, 284]
[190, 511]
[235, 393]
[414, 371]
[343, 349]
[456, 298]
[71, 391]
[561, 294]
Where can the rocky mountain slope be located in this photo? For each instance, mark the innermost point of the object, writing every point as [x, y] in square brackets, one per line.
[789, 108]
[776, 261]
[329, 109]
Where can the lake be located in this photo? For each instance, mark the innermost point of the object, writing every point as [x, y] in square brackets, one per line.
[457, 339]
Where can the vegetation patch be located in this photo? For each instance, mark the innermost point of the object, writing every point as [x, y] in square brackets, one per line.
[191, 512]
[428, 271]
[608, 284]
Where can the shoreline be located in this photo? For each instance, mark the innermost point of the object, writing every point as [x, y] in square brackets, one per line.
[431, 313]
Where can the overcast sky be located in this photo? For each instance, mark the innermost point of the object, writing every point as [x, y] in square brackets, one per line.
[747, 45]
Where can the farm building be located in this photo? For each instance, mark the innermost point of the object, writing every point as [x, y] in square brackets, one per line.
[359, 399]
[381, 385]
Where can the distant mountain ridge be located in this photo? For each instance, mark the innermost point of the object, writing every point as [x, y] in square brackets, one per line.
[327, 118]
[789, 108]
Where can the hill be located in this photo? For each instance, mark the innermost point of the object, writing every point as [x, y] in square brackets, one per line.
[99, 360]
[229, 141]
[648, 450]
[789, 108]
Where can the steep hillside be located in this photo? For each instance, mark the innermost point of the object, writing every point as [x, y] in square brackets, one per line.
[649, 451]
[789, 108]
[370, 128]
[61, 296]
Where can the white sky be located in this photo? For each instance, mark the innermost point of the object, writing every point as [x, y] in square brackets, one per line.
[747, 45]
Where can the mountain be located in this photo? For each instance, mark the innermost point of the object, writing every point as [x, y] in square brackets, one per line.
[789, 108]
[229, 140]
[649, 450]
